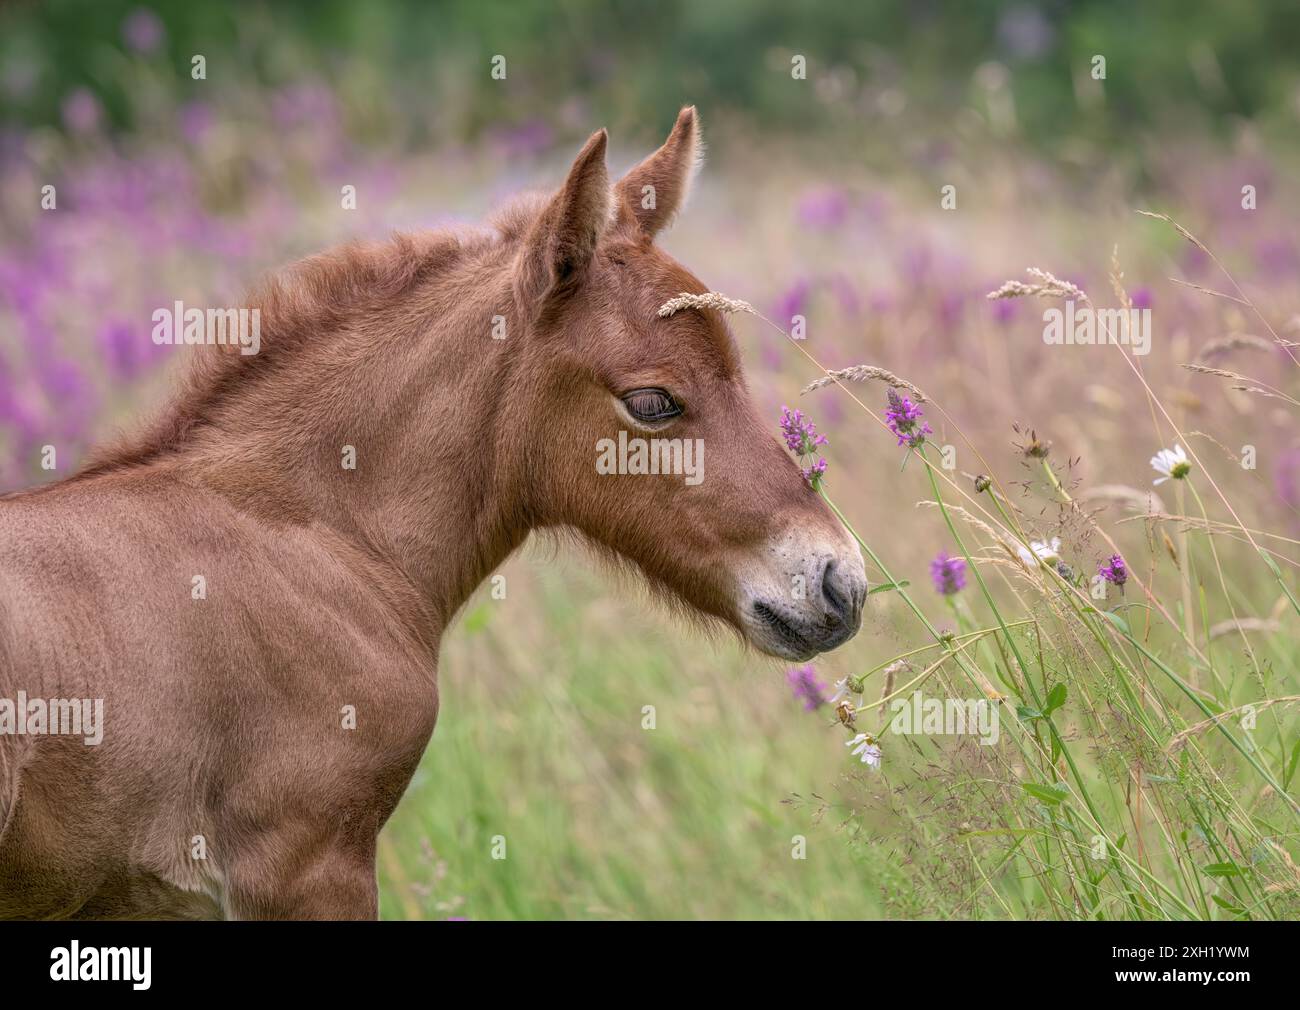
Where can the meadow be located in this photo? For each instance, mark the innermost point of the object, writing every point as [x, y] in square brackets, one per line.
[1146, 766]
[1149, 734]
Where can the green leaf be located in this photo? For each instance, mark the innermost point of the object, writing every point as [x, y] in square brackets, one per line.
[1007, 682]
[1050, 795]
[1116, 620]
[1290, 771]
[1028, 714]
[1055, 699]
[1222, 870]
[1225, 903]
[885, 587]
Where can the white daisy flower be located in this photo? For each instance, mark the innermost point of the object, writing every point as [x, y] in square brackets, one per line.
[865, 745]
[1172, 463]
[844, 687]
[1039, 550]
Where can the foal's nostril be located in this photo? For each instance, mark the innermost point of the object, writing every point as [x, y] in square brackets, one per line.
[839, 603]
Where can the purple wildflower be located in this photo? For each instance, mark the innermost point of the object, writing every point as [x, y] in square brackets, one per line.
[1277, 257]
[1114, 571]
[801, 438]
[124, 352]
[806, 687]
[195, 120]
[523, 140]
[81, 111]
[949, 574]
[1286, 478]
[814, 474]
[904, 420]
[1004, 309]
[917, 262]
[794, 301]
[308, 104]
[143, 30]
[847, 295]
[951, 305]
[823, 208]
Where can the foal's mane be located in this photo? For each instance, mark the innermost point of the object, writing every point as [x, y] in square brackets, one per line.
[299, 304]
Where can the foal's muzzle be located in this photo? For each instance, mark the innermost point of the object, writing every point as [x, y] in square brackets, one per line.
[811, 603]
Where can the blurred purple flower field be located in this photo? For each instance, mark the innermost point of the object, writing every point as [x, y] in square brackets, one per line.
[875, 241]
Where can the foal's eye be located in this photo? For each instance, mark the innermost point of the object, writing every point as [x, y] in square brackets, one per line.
[651, 405]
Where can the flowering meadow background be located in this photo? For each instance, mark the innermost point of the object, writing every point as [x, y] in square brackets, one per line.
[821, 198]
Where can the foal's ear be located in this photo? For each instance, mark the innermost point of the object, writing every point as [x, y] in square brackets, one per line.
[653, 192]
[563, 239]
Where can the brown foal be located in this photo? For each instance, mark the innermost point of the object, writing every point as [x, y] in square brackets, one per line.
[256, 585]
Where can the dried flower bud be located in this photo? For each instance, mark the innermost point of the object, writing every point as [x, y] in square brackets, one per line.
[982, 483]
[1036, 449]
[1171, 549]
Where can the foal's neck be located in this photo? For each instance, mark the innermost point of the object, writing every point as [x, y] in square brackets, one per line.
[385, 431]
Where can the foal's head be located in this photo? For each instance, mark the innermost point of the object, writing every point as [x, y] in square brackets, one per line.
[611, 391]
